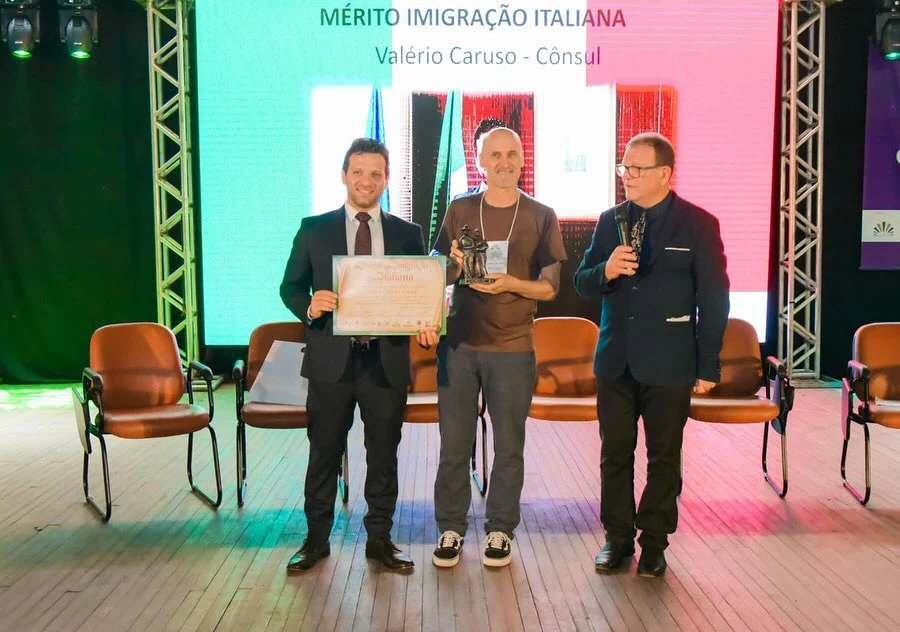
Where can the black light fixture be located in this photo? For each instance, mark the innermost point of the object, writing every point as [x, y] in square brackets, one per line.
[78, 27]
[20, 26]
[887, 28]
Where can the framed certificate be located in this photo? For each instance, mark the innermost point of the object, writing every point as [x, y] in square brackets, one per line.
[389, 295]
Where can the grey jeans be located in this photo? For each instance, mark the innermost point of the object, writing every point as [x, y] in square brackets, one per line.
[507, 379]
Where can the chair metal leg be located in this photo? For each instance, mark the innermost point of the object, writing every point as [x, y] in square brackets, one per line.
[781, 429]
[863, 499]
[215, 449]
[107, 512]
[241, 457]
[343, 477]
[481, 484]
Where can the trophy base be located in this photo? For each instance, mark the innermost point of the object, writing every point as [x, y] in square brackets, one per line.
[484, 281]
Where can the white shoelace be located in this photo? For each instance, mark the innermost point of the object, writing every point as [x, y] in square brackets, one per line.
[496, 540]
[449, 539]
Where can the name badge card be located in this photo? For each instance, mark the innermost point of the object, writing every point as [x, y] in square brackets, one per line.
[497, 257]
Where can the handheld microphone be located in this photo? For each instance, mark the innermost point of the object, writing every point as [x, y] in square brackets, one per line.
[622, 226]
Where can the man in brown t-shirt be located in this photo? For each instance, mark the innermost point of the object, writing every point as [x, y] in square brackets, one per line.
[489, 345]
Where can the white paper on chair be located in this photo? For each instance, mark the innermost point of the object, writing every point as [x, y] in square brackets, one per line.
[81, 418]
[279, 380]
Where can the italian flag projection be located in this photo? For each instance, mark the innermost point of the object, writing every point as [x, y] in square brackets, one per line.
[284, 86]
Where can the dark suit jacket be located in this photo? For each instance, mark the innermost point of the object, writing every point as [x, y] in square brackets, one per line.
[309, 269]
[667, 322]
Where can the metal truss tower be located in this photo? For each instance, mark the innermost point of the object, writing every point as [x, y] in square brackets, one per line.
[800, 214]
[173, 198]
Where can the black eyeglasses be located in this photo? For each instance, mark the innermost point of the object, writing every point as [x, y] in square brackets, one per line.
[633, 171]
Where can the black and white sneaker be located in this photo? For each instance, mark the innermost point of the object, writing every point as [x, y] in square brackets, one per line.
[446, 553]
[497, 549]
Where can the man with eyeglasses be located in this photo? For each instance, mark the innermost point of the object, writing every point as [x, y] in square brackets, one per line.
[665, 307]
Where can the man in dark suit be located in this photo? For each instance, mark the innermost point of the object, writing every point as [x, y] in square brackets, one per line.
[665, 307]
[344, 371]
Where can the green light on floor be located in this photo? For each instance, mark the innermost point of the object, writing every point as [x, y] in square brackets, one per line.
[893, 56]
[21, 54]
[30, 397]
[80, 54]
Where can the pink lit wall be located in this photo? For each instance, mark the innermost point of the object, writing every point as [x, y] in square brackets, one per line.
[724, 78]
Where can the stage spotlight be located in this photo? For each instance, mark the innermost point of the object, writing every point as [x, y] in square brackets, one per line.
[78, 27]
[890, 40]
[79, 37]
[20, 35]
[887, 28]
[20, 26]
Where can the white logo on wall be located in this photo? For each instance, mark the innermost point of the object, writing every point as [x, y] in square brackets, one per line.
[881, 226]
[883, 229]
[898, 156]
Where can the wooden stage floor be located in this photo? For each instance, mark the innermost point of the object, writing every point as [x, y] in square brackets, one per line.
[741, 560]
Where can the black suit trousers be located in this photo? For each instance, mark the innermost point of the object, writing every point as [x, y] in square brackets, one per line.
[330, 407]
[664, 410]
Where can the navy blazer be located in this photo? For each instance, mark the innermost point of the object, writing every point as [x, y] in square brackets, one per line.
[309, 269]
[666, 323]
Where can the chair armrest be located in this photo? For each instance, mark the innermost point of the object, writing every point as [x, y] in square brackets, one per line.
[777, 365]
[857, 370]
[239, 374]
[783, 394]
[92, 381]
[856, 382]
[92, 387]
[92, 390]
[206, 373]
[201, 369]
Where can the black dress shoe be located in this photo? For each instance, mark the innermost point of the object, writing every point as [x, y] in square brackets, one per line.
[652, 564]
[308, 555]
[384, 551]
[612, 556]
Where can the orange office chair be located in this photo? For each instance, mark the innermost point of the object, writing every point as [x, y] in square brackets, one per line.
[873, 375]
[135, 381]
[261, 415]
[566, 389]
[734, 399]
[422, 403]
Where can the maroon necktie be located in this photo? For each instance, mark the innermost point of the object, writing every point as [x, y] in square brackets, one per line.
[363, 244]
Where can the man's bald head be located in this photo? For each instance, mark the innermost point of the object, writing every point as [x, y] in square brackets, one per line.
[502, 131]
[501, 157]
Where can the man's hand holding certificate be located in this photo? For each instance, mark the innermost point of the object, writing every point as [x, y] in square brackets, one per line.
[389, 296]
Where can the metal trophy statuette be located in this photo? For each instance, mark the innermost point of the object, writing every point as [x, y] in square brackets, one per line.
[474, 250]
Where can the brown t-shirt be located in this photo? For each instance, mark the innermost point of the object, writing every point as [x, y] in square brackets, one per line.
[501, 322]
